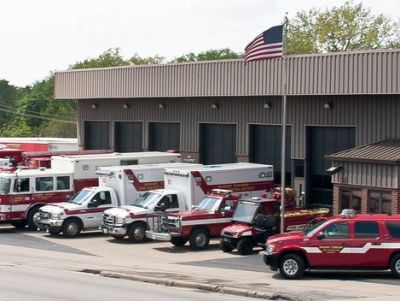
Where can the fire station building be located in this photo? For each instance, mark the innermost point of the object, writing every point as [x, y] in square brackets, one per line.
[227, 111]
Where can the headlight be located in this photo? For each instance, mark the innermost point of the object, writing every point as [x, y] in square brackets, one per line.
[120, 220]
[270, 248]
[57, 215]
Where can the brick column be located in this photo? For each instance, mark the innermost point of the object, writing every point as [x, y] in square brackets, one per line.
[364, 200]
[395, 201]
[336, 198]
[242, 158]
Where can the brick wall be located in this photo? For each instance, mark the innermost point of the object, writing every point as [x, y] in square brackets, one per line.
[364, 200]
[395, 201]
[336, 199]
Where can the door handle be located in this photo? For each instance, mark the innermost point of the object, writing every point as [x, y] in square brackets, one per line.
[375, 243]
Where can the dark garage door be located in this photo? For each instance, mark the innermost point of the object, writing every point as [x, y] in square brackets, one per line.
[322, 141]
[265, 147]
[164, 136]
[97, 135]
[217, 143]
[128, 137]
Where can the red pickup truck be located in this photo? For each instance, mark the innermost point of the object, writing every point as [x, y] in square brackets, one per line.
[199, 225]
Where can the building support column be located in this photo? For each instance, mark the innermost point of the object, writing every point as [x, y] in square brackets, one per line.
[336, 199]
[364, 200]
[395, 201]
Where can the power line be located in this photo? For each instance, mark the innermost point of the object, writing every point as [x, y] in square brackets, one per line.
[33, 112]
[36, 116]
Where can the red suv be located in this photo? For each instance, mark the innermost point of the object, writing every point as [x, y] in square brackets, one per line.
[348, 241]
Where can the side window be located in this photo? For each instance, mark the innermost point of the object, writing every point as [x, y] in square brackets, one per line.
[21, 185]
[168, 201]
[44, 184]
[393, 228]
[63, 183]
[337, 230]
[173, 201]
[366, 229]
[103, 197]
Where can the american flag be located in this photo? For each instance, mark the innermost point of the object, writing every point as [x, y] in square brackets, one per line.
[267, 45]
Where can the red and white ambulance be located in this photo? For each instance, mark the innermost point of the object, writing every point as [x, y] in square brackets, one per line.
[118, 185]
[23, 192]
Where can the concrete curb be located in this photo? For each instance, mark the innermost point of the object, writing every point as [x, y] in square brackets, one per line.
[196, 285]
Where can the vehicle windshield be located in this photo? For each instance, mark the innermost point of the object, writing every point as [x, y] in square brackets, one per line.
[208, 204]
[146, 200]
[5, 184]
[316, 229]
[245, 212]
[80, 197]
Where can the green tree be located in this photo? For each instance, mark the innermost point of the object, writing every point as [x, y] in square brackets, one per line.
[137, 60]
[212, 54]
[345, 28]
[8, 96]
[109, 58]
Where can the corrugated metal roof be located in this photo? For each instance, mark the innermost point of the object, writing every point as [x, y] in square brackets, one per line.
[387, 151]
[344, 73]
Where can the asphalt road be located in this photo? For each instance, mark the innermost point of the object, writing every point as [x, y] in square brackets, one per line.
[28, 239]
[33, 284]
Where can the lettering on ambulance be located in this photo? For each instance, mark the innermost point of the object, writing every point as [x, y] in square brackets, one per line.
[235, 187]
[143, 186]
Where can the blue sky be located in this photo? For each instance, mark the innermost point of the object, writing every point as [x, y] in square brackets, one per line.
[41, 36]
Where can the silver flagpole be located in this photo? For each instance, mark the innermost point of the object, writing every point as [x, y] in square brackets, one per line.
[284, 100]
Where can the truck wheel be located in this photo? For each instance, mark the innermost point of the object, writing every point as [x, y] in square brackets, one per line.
[137, 232]
[20, 224]
[395, 266]
[72, 228]
[245, 246]
[178, 241]
[199, 239]
[225, 247]
[31, 218]
[292, 266]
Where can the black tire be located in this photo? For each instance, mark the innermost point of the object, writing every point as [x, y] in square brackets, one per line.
[137, 232]
[178, 241]
[30, 218]
[20, 224]
[199, 239]
[72, 228]
[245, 246]
[225, 247]
[395, 266]
[292, 266]
[54, 232]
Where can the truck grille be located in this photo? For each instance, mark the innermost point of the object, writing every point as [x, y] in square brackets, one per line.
[44, 215]
[170, 223]
[108, 219]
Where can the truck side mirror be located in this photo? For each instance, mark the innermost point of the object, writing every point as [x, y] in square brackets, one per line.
[93, 203]
[320, 235]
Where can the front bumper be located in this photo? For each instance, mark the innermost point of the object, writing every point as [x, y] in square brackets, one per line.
[271, 259]
[49, 224]
[114, 230]
[162, 236]
[229, 241]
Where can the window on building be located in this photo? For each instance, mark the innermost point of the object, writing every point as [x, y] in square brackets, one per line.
[44, 184]
[350, 199]
[366, 229]
[63, 183]
[379, 202]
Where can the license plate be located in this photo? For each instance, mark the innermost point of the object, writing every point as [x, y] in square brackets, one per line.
[105, 231]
